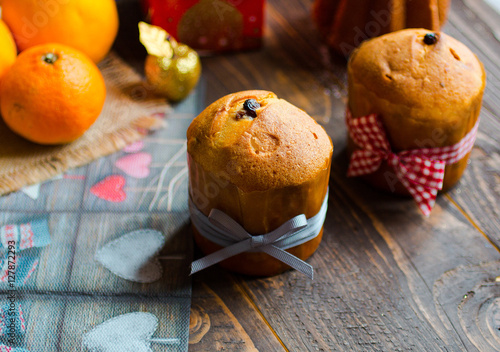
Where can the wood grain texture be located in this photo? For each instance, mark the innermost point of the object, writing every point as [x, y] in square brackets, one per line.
[470, 296]
[199, 324]
[387, 279]
[380, 270]
[225, 332]
[374, 274]
[479, 193]
[235, 322]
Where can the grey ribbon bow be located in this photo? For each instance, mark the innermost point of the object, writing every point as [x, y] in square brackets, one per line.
[225, 231]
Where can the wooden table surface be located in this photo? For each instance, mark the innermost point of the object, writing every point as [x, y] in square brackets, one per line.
[386, 277]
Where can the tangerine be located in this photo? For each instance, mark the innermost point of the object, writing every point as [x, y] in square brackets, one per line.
[9, 52]
[87, 25]
[52, 94]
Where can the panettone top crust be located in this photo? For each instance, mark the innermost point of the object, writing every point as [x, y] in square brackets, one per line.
[282, 146]
[401, 68]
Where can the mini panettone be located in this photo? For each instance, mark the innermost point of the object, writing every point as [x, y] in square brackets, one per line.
[426, 89]
[346, 23]
[261, 161]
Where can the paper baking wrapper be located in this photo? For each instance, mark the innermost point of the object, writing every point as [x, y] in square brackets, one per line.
[404, 134]
[258, 212]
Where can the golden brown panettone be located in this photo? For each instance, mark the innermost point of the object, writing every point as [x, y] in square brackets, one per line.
[261, 170]
[427, 95]
[346, 23]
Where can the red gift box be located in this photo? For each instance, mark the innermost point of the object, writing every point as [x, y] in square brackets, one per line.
[211, 25]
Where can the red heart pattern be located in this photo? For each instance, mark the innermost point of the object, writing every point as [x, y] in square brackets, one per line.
[135, 165]
[110, 189]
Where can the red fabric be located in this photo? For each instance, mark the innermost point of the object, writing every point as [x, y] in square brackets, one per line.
[421, 171]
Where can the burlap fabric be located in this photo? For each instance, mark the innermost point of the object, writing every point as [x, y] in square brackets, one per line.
[130, 111]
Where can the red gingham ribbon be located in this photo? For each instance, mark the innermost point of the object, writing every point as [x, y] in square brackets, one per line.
[421, 171]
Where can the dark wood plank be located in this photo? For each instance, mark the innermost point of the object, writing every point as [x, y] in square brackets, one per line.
[224, 315]
[380, 260]
[470, 297]
[381, 268]
[374, 276]
[478, 194]
[234, 322]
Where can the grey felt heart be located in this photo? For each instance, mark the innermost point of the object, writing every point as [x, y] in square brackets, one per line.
[133, 256]
[125, 333]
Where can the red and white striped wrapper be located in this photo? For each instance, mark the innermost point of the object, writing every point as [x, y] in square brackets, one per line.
[421, 171]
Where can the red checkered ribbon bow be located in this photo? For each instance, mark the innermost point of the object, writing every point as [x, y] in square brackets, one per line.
[421, 171]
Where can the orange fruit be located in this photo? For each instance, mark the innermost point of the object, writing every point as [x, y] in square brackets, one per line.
[88, 25]
[52, 94]
[8, 51]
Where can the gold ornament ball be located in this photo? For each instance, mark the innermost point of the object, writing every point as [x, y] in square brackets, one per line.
[175, 77]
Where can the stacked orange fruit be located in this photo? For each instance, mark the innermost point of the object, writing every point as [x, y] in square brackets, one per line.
[53, 91]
